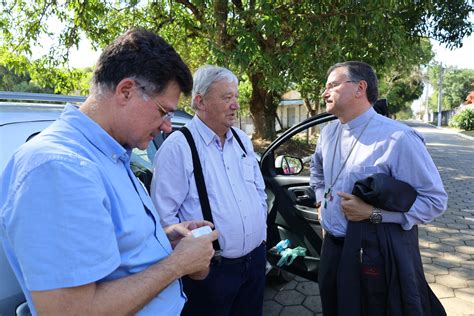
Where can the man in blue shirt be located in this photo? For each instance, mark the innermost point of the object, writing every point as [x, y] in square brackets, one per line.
[236, 194]
[362, 143]
[79, 230]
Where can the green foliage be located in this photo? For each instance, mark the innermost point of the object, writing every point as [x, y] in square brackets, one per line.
[245, 94]
[456, 86]
[404, 114]
[20, 74]
[11, 81]
[463, 120]
[401, 90]
[14, 75]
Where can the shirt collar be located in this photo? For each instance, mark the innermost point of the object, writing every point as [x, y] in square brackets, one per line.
[95, 134]
[207, 134]
[360, 120]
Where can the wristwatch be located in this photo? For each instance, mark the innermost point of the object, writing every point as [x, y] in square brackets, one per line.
[376, 216]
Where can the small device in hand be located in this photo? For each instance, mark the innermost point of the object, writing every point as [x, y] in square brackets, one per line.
[204, 230]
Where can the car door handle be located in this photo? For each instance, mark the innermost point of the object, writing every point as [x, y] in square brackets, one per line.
[303, 197]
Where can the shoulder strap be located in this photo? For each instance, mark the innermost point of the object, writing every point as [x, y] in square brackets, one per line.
[238, 139]
[200, 184]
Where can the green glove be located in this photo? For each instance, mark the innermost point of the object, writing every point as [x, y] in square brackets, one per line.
[289, 255]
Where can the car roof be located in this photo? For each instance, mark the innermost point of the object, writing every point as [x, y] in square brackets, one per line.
[11, 113]
[16, 110]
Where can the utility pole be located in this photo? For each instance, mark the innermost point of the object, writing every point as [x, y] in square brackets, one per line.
[440, 94]
[425, 117]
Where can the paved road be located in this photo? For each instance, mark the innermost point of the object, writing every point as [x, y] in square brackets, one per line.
[446, 245]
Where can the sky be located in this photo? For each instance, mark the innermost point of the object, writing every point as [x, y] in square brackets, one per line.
[460, 58]
[84, 57]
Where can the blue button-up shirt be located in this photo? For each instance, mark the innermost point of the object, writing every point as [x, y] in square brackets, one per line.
[233, 180]
[72, 213]
[385, 146]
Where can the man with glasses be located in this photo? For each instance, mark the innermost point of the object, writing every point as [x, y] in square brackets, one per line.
[235, 192]
[360, 144]
[81, 233]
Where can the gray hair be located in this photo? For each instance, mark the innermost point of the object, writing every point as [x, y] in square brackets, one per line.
[148, 89]
[205, 76]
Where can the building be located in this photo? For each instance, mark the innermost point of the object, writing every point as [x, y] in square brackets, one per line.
[291, 110]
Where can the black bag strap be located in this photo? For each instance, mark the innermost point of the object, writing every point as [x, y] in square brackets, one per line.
[238, 139]
[200, 184]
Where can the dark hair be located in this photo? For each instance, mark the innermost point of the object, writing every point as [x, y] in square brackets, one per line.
[358, 70]
[145, 56]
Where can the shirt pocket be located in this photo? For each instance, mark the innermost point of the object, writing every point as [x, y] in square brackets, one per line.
[247, 168]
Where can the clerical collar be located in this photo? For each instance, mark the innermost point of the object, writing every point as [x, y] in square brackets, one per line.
[360, 120]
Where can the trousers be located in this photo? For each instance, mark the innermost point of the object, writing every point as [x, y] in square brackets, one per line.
[233, 287]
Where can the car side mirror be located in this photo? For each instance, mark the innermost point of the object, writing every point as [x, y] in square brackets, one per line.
[288, 165]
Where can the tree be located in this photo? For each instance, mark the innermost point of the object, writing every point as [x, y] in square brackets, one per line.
[20, 74]
[403, 83]
[404, 91]
[274, 43]
[457, 83]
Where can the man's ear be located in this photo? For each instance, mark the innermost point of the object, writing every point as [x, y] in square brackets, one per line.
[199, 102]
[361, 89]
[124, 89]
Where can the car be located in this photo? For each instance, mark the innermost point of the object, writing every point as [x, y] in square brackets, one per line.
[292, 215]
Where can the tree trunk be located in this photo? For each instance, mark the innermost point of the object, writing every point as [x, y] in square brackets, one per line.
[263, 108]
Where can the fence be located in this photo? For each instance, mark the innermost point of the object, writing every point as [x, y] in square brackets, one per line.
[445, 117]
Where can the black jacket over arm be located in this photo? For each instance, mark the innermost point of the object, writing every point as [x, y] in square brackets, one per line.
[408, 291]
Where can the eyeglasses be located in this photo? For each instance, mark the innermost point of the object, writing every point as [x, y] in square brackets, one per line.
[334, 84]
[167, 115]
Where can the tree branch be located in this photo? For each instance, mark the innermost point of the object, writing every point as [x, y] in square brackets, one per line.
[194, 9]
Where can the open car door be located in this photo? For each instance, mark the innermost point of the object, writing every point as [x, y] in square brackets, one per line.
[291, 201]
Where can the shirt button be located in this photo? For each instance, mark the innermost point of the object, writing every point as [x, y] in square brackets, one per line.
[114, 157]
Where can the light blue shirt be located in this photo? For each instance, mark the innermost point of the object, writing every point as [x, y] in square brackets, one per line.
[70, 213]
[233, 180]
[386, 146]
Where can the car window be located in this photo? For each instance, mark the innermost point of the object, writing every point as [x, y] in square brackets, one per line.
[301, 145]
[141, 161]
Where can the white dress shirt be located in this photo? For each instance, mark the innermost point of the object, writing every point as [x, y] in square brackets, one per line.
[234, 183]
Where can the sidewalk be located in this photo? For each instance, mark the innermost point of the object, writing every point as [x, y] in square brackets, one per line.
[446, 245]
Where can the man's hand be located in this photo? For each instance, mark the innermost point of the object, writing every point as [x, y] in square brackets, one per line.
[354, 208]
[194, 254]
[178, 231]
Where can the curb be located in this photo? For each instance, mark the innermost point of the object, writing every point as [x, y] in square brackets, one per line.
[457, 133]
[447, 130]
